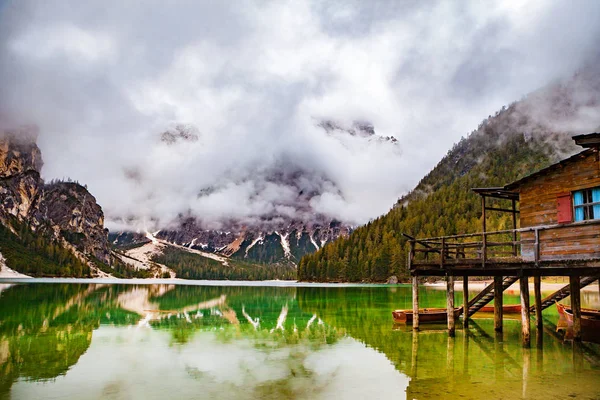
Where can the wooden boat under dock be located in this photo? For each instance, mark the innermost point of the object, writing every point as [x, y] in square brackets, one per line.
[590, 319]
[506, 308]
[430, 315]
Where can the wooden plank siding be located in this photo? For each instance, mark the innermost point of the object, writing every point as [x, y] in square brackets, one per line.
[539, 207]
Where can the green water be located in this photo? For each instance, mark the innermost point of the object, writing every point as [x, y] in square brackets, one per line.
[110, 341]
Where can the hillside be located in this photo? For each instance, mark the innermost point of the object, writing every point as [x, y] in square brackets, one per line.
[518, 140]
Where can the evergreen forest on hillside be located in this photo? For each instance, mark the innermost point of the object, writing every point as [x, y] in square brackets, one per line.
[36, 254]
[441, 204]
[40, 254]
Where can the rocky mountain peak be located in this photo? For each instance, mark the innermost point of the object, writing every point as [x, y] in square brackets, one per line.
[19, 152]
[180, 132]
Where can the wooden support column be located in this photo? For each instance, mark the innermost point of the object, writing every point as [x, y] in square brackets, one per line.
[483, 239]
[465, 301]
[498, 303]
[525, 322]
[415, 295]
[450, 303]
[514, 222]
[537, 288]
[575, 285]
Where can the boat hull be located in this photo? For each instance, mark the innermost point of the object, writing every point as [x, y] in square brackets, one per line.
[426, 315]
[590, 319]
[507, 308]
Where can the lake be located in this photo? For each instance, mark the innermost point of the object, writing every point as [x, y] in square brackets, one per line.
[120, 341]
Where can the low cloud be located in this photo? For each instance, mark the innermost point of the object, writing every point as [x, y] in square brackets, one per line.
[252, 81]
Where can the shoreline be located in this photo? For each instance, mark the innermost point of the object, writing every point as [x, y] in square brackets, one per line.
[184, 282]
[440, 285]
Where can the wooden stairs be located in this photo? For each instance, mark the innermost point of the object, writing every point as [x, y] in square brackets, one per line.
[487, 294]
[564, 292]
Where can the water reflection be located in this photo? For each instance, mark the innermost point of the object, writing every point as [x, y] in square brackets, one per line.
[157, 341]
[478, 361]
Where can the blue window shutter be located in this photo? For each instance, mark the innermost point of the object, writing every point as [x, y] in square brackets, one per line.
[595, 198]
[578, 200]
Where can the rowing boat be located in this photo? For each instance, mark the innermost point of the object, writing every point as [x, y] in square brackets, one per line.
[425, 315]
[590, 319]
[506, 308]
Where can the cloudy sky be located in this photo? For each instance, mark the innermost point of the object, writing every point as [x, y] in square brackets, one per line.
[104, 79]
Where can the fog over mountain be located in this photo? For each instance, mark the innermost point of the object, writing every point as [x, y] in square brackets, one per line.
[235, 110]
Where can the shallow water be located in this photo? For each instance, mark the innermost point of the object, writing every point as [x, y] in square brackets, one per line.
[113, 341]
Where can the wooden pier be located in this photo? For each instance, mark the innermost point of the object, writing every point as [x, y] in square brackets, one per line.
[559, 235]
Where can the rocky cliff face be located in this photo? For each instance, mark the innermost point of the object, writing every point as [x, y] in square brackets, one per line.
[74, 214]
[65, 210]
[20, 165]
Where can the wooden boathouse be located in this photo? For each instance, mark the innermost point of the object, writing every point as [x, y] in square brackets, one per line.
[556, 232]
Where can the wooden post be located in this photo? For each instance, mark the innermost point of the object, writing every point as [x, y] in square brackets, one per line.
[525, 323]
[483, 239]
[465, 301]
[442, 253]
[514, 221]
[415, 293]
[450, 303]
[537, 288]
[498, 303]
[411, 255]
[576, 305]
[536, 248]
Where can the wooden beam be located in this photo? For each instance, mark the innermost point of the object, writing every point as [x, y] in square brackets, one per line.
[525, 322]
[498, 303]
[415, 295]
[450, 303]
[574, 283]
[465, 301]
[537, 288]
[501, 209]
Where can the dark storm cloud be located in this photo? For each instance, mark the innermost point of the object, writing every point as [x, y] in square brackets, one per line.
[103, 80]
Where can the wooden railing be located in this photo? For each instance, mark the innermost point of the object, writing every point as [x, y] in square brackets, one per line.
[515, 245]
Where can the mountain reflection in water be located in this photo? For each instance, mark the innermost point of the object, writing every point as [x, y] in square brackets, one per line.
[173, 341]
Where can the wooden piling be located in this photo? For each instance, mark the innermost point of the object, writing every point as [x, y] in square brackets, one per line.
[465, 301]
[537, 288]
[575, 286]
[415, 295]
[525, 322]
[450, 303]
[498, 303]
